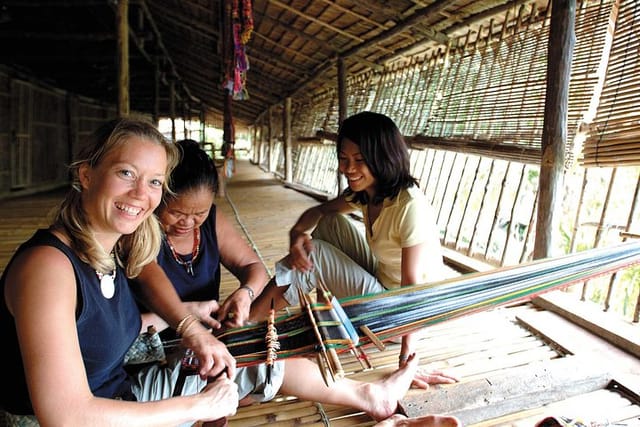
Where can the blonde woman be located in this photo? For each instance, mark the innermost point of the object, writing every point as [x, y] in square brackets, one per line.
[68, 316]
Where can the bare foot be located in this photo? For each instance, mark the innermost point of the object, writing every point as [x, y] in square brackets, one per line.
[398, 420]
[423, 379]
[381, 397]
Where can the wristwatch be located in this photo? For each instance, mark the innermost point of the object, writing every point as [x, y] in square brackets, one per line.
[252, 295]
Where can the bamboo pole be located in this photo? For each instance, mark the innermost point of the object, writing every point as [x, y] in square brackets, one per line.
[476, 224]
[457, 194]
[505, 246]
[437, 184]
[446, 185]
[578, 209]
[466, 207]
[524, 256]
[598, 234]
[496, 211]
[613, 279]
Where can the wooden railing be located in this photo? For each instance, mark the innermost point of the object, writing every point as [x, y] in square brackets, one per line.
[486, 210]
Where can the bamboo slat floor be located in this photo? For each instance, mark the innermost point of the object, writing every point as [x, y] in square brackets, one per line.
[492, 352]
[475, 348]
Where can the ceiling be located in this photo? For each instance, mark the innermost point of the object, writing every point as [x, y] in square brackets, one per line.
[293, 49]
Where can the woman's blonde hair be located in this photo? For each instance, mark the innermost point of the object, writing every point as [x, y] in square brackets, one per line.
[134, 250]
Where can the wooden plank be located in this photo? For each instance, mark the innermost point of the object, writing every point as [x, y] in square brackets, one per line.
[497, 395]
[601, 407]
[463, 263]
[589, 317]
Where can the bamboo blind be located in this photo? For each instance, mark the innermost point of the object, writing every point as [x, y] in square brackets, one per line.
[313, 114]
[614, 137]
[361, 91]
[486, 90]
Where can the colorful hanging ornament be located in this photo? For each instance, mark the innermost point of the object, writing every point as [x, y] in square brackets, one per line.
[241, 30]
[247, 21]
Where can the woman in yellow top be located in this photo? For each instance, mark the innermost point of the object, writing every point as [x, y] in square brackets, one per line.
[400, 246]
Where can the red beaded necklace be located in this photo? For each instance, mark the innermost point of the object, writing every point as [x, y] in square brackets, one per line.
[188, 265]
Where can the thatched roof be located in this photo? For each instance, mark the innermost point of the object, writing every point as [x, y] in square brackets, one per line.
[294, 46]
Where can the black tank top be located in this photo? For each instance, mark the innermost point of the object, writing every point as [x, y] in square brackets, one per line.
[106, 330]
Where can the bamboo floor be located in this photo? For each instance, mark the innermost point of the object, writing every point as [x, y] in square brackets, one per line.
[517, 364]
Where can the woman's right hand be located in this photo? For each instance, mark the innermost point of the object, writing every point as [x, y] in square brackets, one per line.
[213, 356]
[299, 251]
[221, 399]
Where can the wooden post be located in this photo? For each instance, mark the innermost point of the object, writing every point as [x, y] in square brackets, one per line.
[228, 138]
[259, 154]
[228, 135]
[342, 108]
[286, 133]
[270, 167]
[156, 91]
[172, 108]
[554, 132]
[342, 91]
[122, 26]
[186, 115]
[255, 143]
[203, 126]
[228, 129]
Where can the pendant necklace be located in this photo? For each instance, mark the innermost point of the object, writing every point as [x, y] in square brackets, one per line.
[195, 251]
[107, 282]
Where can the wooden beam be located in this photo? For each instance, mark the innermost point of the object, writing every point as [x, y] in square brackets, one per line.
[399, 28]
[487, 148]
[414, 19]
[270, 61]
[316, 21]
[465, 22]
[286, 48]
[300, 34]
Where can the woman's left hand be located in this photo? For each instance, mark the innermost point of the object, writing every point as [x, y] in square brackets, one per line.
[205, 311]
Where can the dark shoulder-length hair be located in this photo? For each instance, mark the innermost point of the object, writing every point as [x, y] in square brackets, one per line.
[195, 170]
[384, 151]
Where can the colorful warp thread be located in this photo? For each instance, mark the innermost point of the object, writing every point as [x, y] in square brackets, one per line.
[397, 312]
